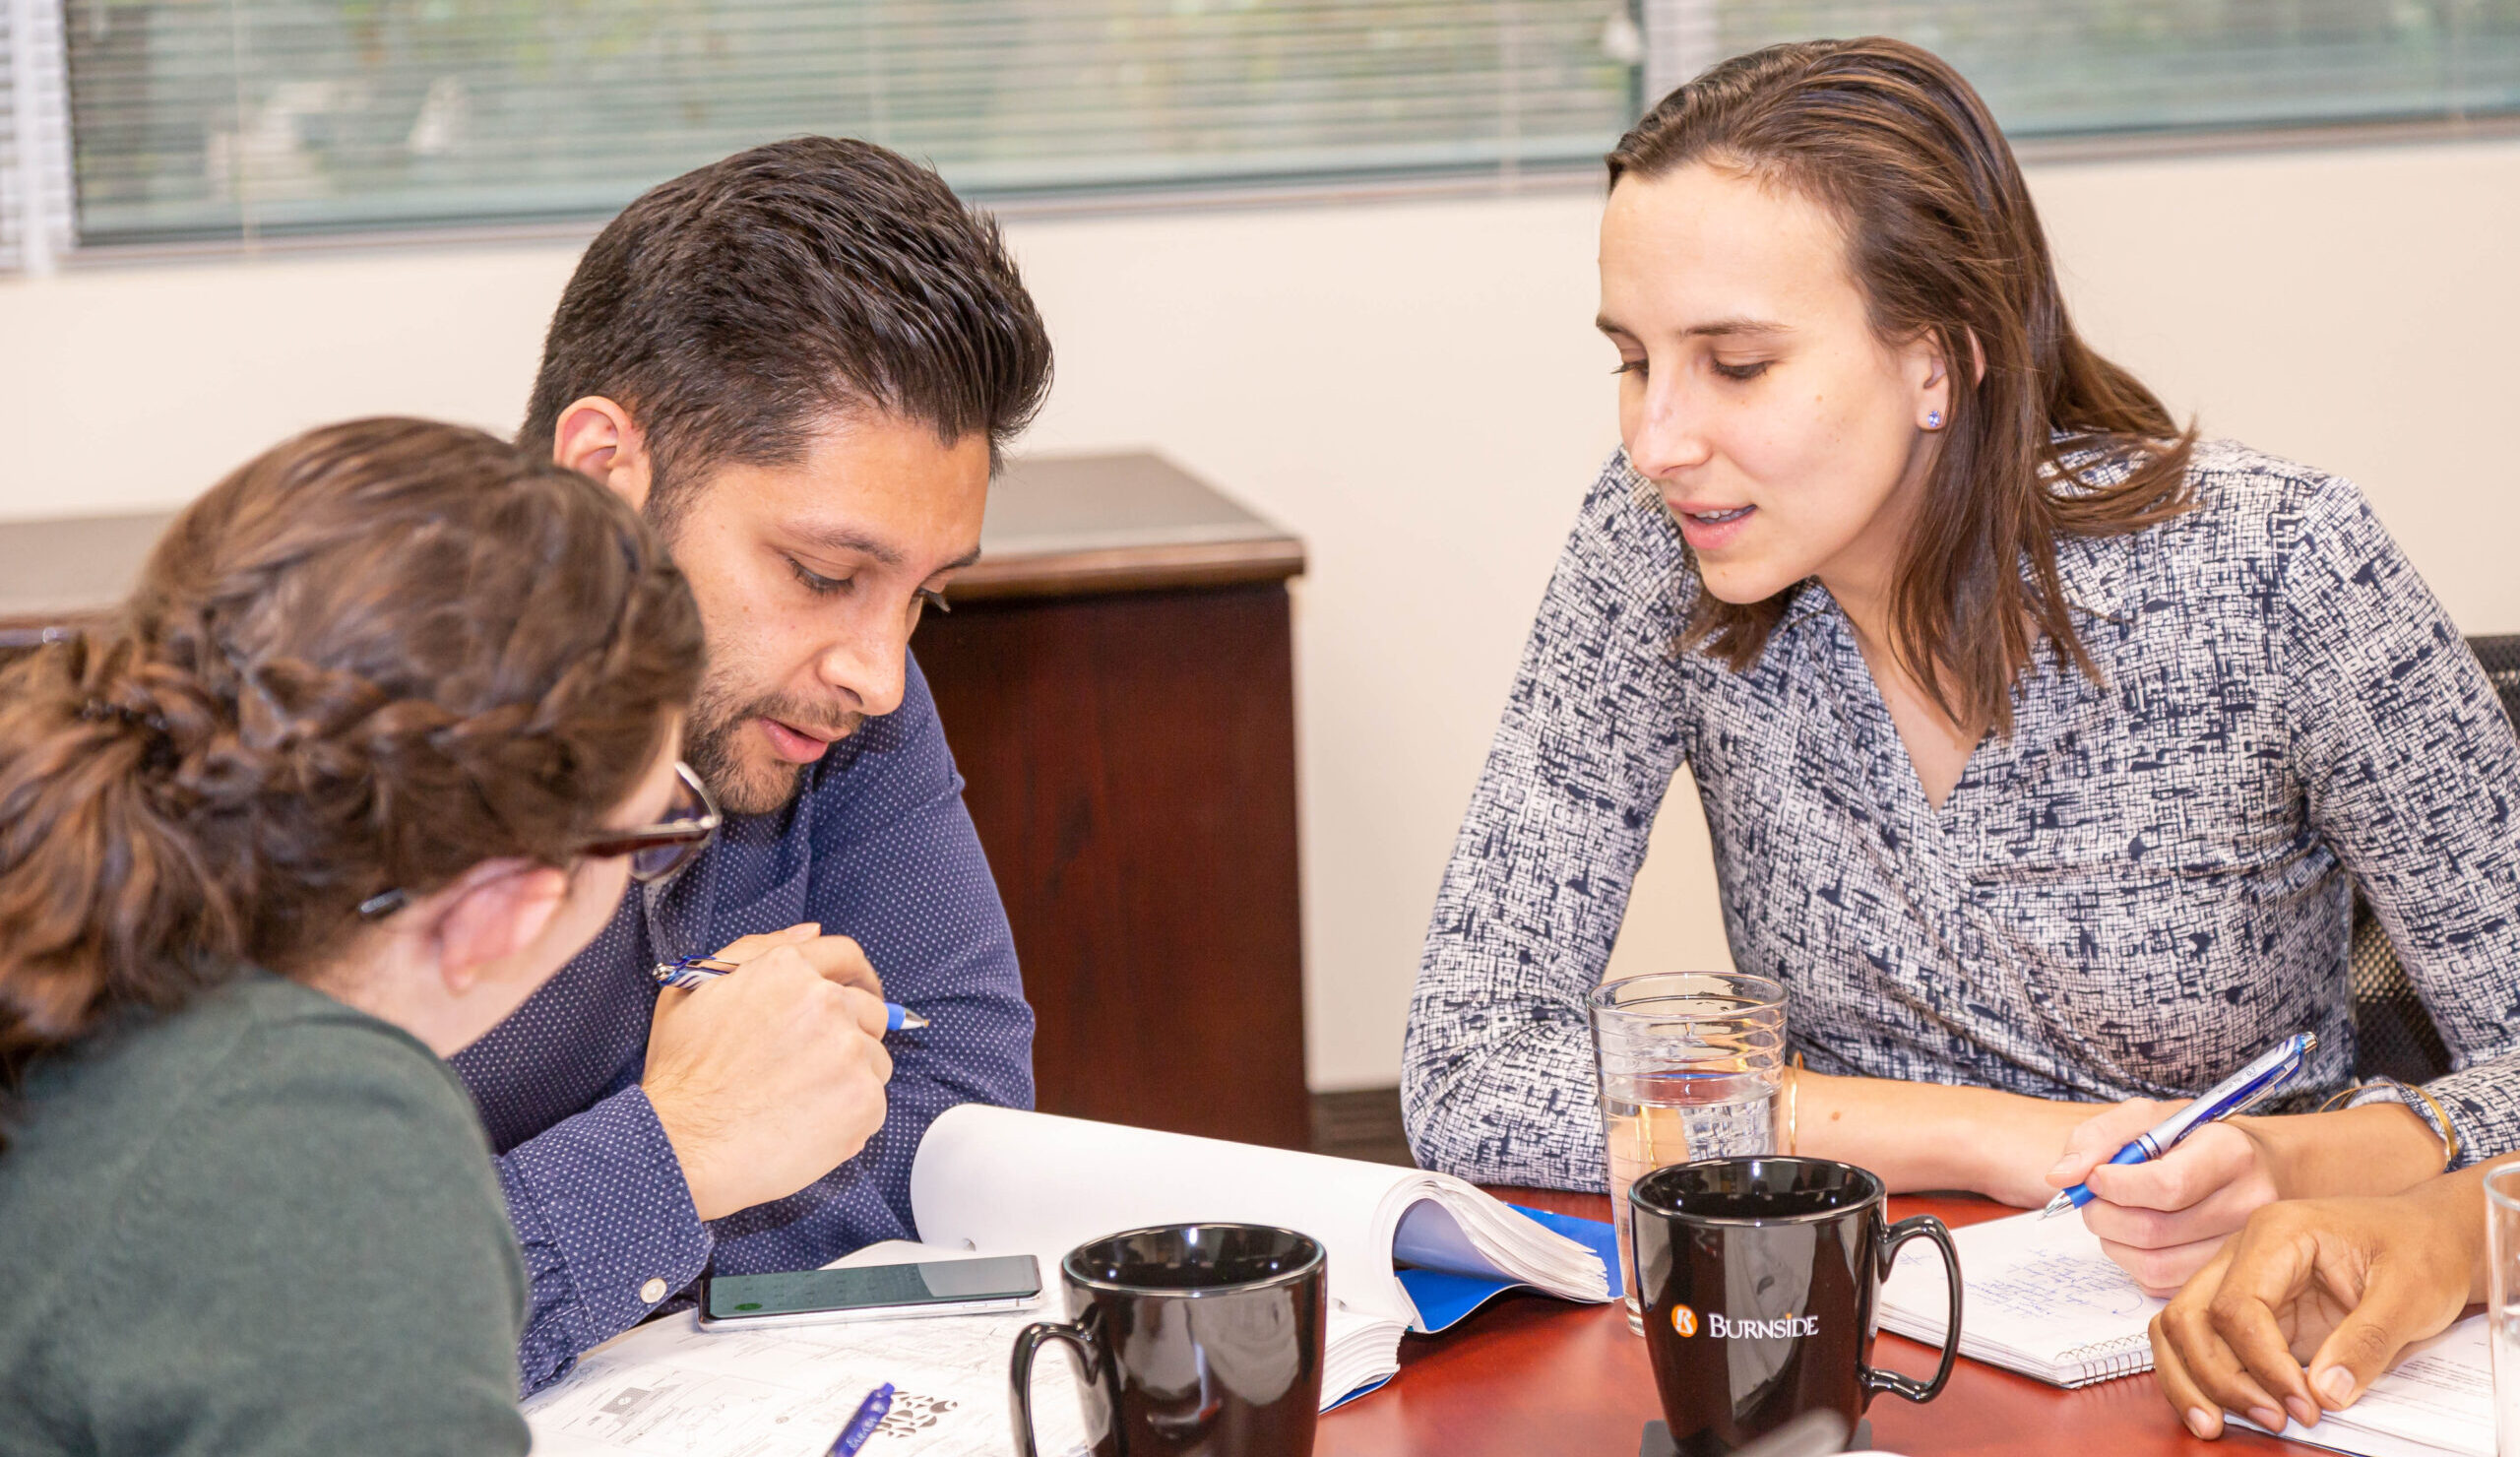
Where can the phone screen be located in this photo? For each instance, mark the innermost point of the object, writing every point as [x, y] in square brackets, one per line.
[801, 1291]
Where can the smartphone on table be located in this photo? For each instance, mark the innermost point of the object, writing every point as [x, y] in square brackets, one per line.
[732, 1302]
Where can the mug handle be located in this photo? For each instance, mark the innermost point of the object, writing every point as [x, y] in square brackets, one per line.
[1909, 1387]
[1028, 1344]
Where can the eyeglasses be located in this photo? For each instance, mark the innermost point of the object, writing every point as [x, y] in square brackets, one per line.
[660, 850]
[657, 852]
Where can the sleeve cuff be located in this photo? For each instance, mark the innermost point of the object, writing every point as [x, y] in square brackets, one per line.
[2457, 1146]
[607, 1226]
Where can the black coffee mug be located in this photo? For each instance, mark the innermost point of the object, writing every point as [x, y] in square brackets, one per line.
[1759, 1277]
[1197, 1340]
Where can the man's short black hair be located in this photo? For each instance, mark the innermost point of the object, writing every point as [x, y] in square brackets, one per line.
[735, 309]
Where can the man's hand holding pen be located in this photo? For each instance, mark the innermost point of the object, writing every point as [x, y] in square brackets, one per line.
[767, 1081]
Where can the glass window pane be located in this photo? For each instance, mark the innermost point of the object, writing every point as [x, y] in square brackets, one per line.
[203, 119]
[2081, 67]
[222, 118]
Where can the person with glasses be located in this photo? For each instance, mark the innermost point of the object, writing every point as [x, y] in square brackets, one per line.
[370, 751]
[655, 851]
[799, 364]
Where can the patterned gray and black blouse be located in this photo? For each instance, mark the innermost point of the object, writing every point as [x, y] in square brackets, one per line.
[2146, 885]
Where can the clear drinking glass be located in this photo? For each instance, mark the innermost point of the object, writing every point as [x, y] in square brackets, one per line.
[2503, 1303]
[1690, 1064]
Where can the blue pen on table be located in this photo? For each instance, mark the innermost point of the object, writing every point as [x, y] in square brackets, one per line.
[2237, 1093]
[699, 970]
[870, 1415]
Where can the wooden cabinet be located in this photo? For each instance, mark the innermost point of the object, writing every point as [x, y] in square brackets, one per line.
[1117, 680]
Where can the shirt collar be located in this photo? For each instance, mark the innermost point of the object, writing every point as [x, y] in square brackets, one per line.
[1805, 600]
[2092, 569]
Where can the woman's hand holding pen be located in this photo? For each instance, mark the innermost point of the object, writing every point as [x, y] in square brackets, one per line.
[2317, 1297]
[2164, 1220]
[2159, 1220]
[767, 1081]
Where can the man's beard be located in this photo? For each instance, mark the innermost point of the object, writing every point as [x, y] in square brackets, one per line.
[755, 784]
[712, 732]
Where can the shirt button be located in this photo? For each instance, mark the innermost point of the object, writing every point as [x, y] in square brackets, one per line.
[653, 1290]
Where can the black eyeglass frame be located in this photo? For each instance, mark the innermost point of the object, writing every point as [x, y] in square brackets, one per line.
[687, 835]
[690, 834]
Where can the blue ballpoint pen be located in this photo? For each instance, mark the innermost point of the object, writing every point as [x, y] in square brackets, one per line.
[2237, 1093]
[699, 970]
[869, 1416]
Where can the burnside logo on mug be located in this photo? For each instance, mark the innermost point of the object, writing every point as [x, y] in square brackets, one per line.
[1784, 1328]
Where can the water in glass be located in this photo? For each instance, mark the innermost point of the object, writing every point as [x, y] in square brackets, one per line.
[1657, 1118]
[1689, 1063]
[2503, 1303]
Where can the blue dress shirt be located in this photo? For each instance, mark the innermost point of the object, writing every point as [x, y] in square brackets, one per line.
[877, 846]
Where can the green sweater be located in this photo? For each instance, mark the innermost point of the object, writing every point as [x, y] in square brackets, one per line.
[265, 1225]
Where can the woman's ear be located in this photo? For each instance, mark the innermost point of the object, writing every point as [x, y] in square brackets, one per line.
[1930, 372]
[497, 909]
[597, 438]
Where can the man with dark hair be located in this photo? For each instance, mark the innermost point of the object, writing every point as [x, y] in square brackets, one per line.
[800, 363]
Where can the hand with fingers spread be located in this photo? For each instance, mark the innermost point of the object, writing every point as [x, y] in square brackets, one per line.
[767, 1079]
[2163, 1221]
[2314, 1297]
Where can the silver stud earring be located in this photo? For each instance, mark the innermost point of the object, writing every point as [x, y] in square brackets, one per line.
[1933, 419]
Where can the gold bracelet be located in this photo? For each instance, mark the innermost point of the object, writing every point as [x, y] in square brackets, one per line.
[1793, 1106]
[2449, 1132]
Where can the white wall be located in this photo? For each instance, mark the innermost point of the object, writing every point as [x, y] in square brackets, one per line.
[1415, 389]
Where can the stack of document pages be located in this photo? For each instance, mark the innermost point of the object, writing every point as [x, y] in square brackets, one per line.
[2041, 1297]
[667, 1388]
[2437, 1399]
[1000, 1182]
[1407, 1250]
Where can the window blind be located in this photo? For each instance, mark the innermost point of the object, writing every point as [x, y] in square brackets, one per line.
[12, 205]
[2051, 68]
[266, 116]
[241, 118]
[34, 165]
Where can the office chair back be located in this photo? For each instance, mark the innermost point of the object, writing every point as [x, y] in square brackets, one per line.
[2393, 1034]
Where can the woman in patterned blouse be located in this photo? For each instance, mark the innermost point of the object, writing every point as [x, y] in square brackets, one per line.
[2041, 745]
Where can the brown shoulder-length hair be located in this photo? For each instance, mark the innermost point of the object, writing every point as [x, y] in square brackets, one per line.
[1941, 237]
[372, 658]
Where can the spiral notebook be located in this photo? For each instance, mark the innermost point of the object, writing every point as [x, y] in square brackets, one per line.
[2041, 1298]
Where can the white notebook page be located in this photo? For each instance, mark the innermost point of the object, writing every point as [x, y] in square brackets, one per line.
[2437, 1399]
[2039, 1296]
[992, 1179]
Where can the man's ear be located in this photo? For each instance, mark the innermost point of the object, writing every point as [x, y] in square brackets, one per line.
[597, 438]
[497, 909]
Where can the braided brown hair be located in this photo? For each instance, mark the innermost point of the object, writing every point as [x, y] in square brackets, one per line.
[373, 657]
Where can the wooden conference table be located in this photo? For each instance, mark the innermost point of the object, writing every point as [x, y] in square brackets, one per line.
[1528, 1375]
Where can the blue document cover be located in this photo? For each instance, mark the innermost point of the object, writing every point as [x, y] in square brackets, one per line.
[1443, 1300]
